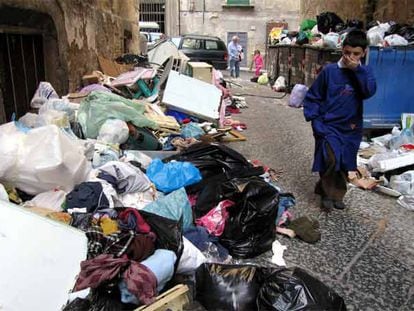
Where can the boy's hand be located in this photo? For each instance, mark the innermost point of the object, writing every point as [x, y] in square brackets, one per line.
[350, 63]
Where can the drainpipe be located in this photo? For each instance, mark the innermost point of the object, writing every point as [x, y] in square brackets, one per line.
[179, 17]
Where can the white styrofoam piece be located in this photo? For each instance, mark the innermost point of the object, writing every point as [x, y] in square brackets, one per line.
[39, 260]
[394, 163]
[192, 96]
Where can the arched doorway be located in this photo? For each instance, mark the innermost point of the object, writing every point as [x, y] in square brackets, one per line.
[29, 54]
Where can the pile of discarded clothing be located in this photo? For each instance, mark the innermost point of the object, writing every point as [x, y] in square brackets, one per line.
[386, 164]
[329, 30]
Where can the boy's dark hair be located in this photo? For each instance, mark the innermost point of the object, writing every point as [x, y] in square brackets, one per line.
[356, 38]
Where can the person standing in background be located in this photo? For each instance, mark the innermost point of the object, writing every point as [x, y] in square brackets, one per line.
[258, 63]
[235, 52]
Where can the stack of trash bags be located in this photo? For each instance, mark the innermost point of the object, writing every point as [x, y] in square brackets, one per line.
[149, 219]
[328, 30]
[194, 213]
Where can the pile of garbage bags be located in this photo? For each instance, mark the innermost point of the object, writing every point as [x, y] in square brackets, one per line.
[329, 30]
[154, 197]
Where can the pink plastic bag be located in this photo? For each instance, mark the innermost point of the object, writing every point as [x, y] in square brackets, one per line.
[215, 220]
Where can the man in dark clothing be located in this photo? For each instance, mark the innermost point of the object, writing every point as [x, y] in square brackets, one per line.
[334, 105]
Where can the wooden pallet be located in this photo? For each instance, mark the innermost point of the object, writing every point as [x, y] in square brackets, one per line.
[172, 300]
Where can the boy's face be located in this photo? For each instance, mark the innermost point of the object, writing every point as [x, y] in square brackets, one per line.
[352, 54]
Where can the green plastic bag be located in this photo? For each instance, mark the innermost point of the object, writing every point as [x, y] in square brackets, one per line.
[307, 24]
[263, 79]
[101, 106]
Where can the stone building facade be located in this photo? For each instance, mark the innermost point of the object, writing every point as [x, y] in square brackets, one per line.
[59, 41]
[223, 18]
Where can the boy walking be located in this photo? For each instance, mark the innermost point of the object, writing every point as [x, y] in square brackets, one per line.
[334, 105]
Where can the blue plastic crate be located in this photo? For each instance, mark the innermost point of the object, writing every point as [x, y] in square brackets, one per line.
[393, 68]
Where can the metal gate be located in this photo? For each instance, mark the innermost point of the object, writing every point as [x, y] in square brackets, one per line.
[153, 11]
[21, 70]
[243, 43]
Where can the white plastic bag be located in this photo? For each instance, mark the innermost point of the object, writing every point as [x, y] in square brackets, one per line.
[41, 160]
[191, 258]
[3, 194]
[298, 95]
[280, 84]
[52, 200]
[44, 92]
[403, 183]
[331, 40]
[113, 131]
[376, 34]
[393, 40]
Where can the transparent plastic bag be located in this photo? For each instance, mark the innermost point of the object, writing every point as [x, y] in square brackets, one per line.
[298, 95]
[44, 92]
[403, 183]
[113, 131]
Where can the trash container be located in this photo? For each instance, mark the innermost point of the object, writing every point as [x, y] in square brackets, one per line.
[272, 56]
[315, 59]
[393, 68]
[284, 62]
[312, 65]
[297, 59]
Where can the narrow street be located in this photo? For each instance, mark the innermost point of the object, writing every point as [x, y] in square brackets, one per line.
[367, 251]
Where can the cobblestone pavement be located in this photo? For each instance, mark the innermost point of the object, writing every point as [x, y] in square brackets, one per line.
[367, 251]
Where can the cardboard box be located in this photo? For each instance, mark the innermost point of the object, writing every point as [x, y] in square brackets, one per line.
[201, 71]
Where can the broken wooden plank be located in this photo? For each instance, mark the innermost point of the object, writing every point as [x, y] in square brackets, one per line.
[172, 300]
[232, 136]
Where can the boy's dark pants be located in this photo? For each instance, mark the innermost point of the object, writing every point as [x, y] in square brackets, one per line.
[332, 184]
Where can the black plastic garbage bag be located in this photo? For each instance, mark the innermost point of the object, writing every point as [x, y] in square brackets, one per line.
[211, 159]
[222, 287]
[327, 22]
[296, 290]
[169, 232]
[78, 305]
[249, 230]
[355, 23]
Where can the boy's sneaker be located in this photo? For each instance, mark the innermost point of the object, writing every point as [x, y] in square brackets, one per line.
[327, 204]
[339, 205]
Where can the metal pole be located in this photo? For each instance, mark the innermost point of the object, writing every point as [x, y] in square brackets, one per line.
[24, 69]
[34, 61]
[11, 73]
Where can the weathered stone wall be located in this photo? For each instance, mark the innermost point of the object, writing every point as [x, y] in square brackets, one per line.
[214, 19]
[401, 11]
[84, 29]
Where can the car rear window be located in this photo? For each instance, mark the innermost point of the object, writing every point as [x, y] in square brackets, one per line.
[215, 45]
[193, 44]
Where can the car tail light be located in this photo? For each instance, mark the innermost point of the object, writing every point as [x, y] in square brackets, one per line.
[225, 56]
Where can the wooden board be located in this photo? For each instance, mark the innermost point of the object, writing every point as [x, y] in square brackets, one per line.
[172, 300]
[233, 135]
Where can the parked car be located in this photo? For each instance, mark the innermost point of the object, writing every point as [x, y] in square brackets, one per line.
[201, 48]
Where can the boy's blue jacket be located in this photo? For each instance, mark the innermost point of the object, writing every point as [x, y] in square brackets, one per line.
[334, 106]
